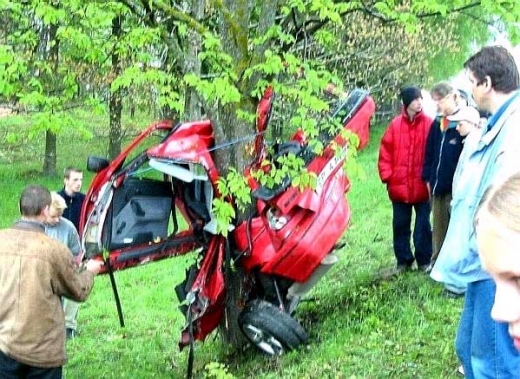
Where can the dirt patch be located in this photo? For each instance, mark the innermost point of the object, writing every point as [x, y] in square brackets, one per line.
[4, 112]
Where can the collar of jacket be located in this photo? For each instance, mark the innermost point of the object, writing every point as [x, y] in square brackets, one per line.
[29, 225]
[418, 116]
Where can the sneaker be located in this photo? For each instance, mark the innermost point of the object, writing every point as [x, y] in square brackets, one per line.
[71, 333]
[460, 370]
[426, 268]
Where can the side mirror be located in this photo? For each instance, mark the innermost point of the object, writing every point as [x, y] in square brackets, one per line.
[96, 164]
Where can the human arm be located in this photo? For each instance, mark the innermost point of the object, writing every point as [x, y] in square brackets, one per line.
[68, 279]
[429, 154]
[384, 163]
[73, 242]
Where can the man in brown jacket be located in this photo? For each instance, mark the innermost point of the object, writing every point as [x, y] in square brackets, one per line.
[35, 272]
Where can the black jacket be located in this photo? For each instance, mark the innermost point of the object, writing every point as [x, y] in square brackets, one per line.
[73, 210]
[442, 154]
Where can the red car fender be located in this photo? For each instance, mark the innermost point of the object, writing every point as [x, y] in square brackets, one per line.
[208, 294]
[360, 122]
[261, 249]
[305, 242]
[298, 247]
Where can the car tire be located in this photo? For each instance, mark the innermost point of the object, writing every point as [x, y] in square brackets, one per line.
[270, 329]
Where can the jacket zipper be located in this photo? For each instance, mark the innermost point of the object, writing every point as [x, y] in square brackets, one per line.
[439, 164]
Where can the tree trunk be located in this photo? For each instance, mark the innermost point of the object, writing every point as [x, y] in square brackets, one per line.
[49, 160]
[50, 156]
[116, 104]
[192, 105]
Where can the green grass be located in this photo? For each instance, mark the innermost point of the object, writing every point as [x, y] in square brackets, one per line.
[361, 325]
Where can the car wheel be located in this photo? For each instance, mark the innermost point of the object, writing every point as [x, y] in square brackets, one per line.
[270, 329]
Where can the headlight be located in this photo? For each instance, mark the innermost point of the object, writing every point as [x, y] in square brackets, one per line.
[276, 220]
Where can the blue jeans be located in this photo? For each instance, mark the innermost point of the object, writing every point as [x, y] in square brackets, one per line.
[12, 369]
[483, 345]
[422, 233]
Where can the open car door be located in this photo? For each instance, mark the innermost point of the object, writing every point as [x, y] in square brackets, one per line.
[153, 200]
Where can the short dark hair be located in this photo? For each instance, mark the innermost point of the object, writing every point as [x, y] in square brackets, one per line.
[33, 200]
[497, 63]
[68, 170]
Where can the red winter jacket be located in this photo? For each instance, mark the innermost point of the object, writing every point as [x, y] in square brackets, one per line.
[401, 157]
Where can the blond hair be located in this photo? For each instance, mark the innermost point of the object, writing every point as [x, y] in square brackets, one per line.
[503, 203]
[58, 202]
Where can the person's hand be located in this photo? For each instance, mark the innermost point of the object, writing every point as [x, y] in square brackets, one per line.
[94, 266]
[429, 189]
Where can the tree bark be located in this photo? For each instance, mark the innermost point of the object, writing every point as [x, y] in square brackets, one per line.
[50, 155]
[49, 160]
[116, 104]
[192, 105]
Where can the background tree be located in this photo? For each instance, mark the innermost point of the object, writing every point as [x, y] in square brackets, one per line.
[213, 59]
[116, 101]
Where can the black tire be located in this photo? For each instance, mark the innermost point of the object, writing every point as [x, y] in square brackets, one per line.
[270, 329]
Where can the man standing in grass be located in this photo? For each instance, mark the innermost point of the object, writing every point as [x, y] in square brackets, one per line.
[35, 272]
[64, 231]
[483, 345]
[401, 157]
[443, 148]
[72, 180]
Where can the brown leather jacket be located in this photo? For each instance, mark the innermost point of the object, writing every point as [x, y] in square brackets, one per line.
[35, 271]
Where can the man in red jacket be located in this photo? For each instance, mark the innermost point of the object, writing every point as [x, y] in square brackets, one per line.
[400, 163]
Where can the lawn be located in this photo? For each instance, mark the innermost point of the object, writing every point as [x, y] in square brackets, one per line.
[362, 323]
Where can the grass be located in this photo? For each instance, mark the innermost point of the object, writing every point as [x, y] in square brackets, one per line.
[361, 324]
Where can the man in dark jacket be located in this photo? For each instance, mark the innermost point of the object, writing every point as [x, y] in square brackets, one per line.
[401, 157]
[72, 180]
[443, 148]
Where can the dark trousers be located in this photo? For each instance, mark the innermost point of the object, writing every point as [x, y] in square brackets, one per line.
[422, 233]
[12, 369]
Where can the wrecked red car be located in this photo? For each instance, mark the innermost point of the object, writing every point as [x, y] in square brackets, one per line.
[155, 201]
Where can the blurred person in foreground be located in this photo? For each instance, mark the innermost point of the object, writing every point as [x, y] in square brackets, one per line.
[467, 120]
[400, 163]
[35, 272]
[64, 231]
[483, 345]
[497, 225]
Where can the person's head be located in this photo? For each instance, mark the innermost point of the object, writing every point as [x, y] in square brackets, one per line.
[497, 224]
[491, 71]
[56, 209]
[445, 97]
[412, 100]
[72, 179]
[467, 119]
[34, 202]
[464, 99]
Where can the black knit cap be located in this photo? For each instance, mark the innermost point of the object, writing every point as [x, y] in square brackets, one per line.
[409, 94]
